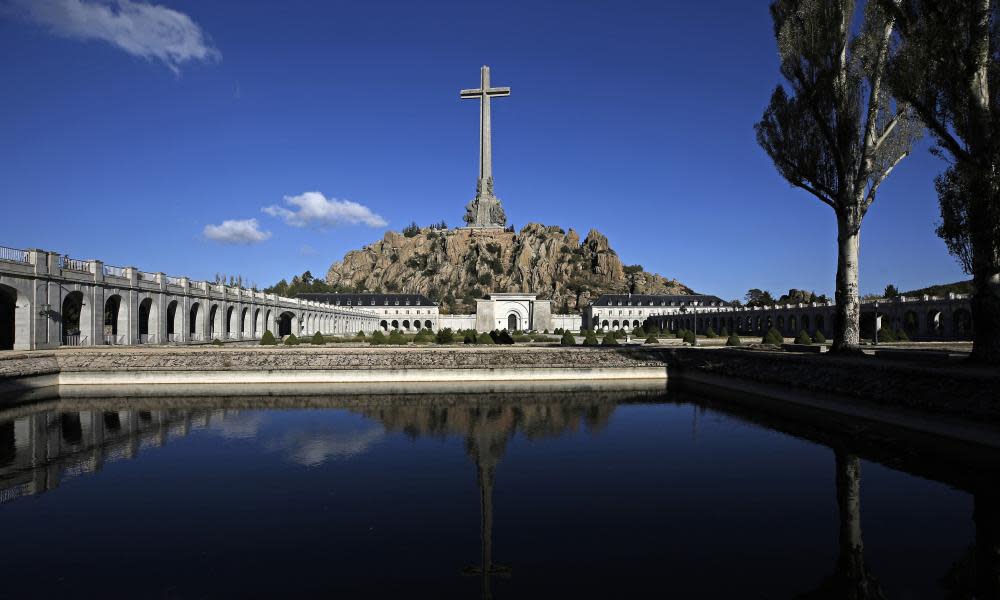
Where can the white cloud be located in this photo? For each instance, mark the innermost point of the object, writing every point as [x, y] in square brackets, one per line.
[312, 208]
[146, 30]
[236, 232]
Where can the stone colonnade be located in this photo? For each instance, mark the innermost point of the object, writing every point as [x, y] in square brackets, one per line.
[924, 318]
[48, 300]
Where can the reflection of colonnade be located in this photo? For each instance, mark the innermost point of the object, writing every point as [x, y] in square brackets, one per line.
[38, 450]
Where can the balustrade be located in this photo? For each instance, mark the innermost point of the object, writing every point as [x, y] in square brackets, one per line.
[15, 255]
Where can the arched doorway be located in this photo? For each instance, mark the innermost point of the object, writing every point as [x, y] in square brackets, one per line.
[72, 306]
[427, 324]
[384, 325]
[247, 330]
[147, 322]
[231, 326]
[911, 323]
[962, 323]
[285, 324]
[8, 302]
[115, 320]
[395, 324]
[175, 324]
[194, 322]
[935, 324]
[512, 324]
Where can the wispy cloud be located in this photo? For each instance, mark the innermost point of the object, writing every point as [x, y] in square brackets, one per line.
[246, 231]
[314, 209]
[149, 31]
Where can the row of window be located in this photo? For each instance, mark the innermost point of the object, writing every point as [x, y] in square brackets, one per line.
[372, 303]
[672, 303]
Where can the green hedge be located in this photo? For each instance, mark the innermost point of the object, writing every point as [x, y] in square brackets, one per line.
[819, 338]
[268, 339]
[773, 336]
[485, 339]
[567, 339]
[609, 340]
[590, 339]
[318, 339]
[803, 338]
[652, 339]
[291, 340]
[734, 340]
[378, 338]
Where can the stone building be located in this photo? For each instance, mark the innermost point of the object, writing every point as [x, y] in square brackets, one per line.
[406, 312]
[628, 311]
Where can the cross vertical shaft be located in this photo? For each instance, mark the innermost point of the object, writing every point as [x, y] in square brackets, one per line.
[483, 94]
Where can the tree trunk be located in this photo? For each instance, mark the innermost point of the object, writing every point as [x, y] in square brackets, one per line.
[985, 309]
[847, 318]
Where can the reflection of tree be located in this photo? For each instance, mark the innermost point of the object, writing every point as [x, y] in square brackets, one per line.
[852, 579]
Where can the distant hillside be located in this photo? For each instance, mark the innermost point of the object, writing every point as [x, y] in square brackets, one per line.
[456, 266]
[959, 287]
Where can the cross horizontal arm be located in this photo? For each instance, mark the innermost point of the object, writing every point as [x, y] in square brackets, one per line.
[504, 91]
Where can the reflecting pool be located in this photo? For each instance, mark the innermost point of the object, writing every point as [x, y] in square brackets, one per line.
[555, 495]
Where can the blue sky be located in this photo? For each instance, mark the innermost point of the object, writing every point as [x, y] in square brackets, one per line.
[124, 139]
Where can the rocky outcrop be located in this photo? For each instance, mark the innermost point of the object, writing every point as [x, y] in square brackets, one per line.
[455, 266]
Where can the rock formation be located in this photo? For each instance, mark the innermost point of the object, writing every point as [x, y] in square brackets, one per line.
[455, 266]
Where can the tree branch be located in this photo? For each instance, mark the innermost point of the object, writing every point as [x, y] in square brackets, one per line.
[870, 197]
[888, 129]
[939, 130]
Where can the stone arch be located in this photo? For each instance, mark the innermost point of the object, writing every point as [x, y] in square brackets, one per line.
[115, 320]
[793, 325]
[260, 324]
[406, 325]
[781, 324]
[417, 324]
[196, 321]
[911, 323]
[635, 324]
[820, 324]
[428, 324]
[247, 327]
[9, 317]
[231, 324]
[805, 323]
[215, 322]
[513, 322]
[71, 318]
[175, 322]
[962, 323]
[614, 324]
[286, 324]
[148, 322]
[604, 325]
[935, 322]
[271, 324]
[384, 325]
[395, 324]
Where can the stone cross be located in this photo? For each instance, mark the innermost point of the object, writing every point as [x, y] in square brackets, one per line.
[483, 94]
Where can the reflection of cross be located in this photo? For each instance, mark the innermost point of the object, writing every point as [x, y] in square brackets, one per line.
[483, 94]
[488, 568]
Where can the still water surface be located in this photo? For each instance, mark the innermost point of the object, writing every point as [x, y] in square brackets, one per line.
[505, 496]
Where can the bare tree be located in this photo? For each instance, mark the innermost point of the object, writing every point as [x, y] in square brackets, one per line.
[947, 69]
[839, 134]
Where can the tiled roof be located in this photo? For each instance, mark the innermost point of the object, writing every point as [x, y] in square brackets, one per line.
[369, 299]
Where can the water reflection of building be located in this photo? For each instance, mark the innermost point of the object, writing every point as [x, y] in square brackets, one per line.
[40, 450]
[488, 427]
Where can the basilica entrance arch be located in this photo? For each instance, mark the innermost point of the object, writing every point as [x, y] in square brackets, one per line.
[512, 322]
[8, 302]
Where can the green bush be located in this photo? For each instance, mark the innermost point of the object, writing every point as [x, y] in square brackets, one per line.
[690, 338]
[609, 340]
[886, 335]
[567, 339]
[773, 336]
[680, 334]
[652, 339]
[902, 336]
[468, 337]
[317, 339]
[724, 333]
[268, 339]
[590, 339]
[444, 336]
[711, 333]
[396, 338]
[216, 342]
[378, 338]
[734, 340]
[291, 340]
[819, 338]
[485, 339]
[361, 334]
[546, 330]
[803, 338]
[502, 337]
[423, 337]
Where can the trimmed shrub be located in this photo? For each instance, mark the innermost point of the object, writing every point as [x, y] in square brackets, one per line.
[803, 338]
[396, 338]
[502, 337]
[819, 338]
[652, 339]
[773, 336]
[690, 338]
[546, 330]
[567, 339]
[901, 335]
[268, 339]
[711, 333]
[734, 340]
[216, 342]
[609, 340]
[361, 333]
[291, 340]
[724, 333]
[680, 334]
[444, 336]
[469, 338]
[423, 337]
[378, 338]
[590, 339]
[317, 339]
[886, 335]
[485, 339]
